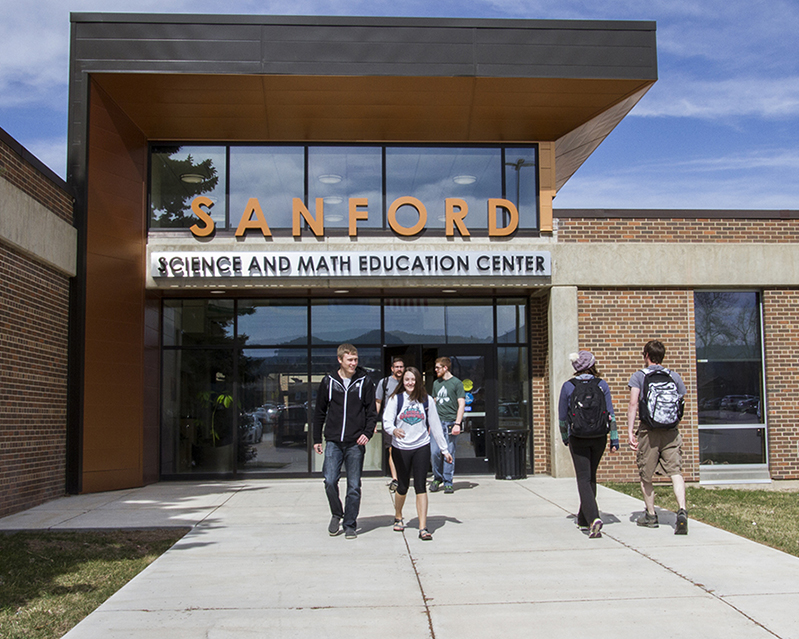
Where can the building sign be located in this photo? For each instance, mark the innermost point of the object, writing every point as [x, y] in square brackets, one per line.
[276, 264]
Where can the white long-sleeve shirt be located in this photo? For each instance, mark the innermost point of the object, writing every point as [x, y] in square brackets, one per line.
[412, 420]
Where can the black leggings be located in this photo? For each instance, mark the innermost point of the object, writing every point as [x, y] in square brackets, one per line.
[414, 462]
[586, 453]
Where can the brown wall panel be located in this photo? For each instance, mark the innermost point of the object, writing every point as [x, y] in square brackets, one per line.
[114, 371]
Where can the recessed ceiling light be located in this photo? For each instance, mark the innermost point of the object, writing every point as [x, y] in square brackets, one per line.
[448, 290]
[334, 218]
[192, 178]
[333, 199]
[341, 291]
[330, 178]
[217, 292]
[464, 179]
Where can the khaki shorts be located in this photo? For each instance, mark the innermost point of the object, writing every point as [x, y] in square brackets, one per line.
[659, 450]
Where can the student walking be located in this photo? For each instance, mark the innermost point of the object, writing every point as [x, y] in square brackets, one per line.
[408, 416]
[657, 399]
[384, 390]
[345, 407]
[451, 404]
[585, 414]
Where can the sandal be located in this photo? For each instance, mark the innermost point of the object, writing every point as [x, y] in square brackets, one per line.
[425, 535]
[399, 525]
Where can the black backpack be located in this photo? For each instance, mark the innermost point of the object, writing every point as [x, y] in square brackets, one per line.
[660, 404]
[588, 412]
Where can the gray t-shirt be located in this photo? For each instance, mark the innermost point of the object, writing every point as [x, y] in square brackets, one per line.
[637, 380]
[389, 387]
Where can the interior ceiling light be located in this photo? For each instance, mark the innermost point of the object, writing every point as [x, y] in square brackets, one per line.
[464, 179]
[217, 292]
[341, 291]
[192, 178]
[334, 218]
[330, 178]
[333, 199]
[448, 290]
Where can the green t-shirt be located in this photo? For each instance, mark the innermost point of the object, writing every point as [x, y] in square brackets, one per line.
[447, 392]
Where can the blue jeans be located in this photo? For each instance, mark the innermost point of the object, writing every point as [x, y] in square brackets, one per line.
[443, 470]
[351, 457]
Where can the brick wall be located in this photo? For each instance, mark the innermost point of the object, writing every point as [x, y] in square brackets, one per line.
[34, 306]
[29, 180]
[541, 461]
[676, 230]
[614, 325]
[782, 381]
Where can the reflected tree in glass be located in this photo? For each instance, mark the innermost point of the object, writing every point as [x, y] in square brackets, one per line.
[175, 183]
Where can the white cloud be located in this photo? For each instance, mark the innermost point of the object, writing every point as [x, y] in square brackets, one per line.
[711, 99]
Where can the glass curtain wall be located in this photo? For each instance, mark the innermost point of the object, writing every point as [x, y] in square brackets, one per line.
[239, 179]
[240, 376]
[729, 373]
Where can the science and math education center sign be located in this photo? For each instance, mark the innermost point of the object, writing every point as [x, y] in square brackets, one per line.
[276, 264]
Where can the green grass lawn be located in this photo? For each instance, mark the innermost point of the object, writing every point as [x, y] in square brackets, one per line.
[765, 516]
[49, 581]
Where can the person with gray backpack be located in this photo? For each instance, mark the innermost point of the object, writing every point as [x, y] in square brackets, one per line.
[657, 399]
[585, 414]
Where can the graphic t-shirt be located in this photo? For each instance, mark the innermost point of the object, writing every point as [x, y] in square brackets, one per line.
[446, 393]
[411, 420]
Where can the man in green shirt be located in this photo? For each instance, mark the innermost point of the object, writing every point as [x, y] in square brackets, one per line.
[450, 403]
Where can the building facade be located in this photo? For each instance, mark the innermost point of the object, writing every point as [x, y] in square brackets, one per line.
[38, 249]
[252, 191]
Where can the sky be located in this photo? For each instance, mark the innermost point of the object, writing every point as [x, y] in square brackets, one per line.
[719, 129]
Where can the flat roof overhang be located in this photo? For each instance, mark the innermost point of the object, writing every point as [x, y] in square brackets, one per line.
[323, 79]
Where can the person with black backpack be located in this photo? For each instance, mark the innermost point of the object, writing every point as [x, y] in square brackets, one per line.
[586, 416]
[657, 399]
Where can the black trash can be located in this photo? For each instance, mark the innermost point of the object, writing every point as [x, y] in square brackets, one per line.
[510, 453]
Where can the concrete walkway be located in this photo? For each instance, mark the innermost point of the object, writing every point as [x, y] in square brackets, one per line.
[507, 561]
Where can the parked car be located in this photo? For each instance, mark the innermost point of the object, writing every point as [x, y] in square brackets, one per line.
[291, 425]
[250, 429]
[730, 402]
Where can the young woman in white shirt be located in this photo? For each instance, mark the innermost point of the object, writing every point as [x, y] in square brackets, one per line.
[409, 417]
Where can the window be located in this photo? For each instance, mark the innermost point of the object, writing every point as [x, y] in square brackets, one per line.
[729, 373]
[234, 180]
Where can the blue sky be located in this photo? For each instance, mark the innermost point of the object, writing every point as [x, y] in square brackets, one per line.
[720, 128]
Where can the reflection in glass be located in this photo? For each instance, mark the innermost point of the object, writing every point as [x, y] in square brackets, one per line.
[193, 322]
[274, 175]
[729, 366]
[511, 322]
[273, 322]
[342, 172]
[414, 321]
[732, 446]
[178, 175]
[274, 417]
[430, 321]
[521, 184]
[197, 411]
[345, 321]
[433, 174]
[513, 388]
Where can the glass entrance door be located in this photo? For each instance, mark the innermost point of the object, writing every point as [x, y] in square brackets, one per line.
[475, 367]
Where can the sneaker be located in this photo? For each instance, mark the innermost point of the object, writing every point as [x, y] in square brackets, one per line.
[682, 522]
[596, 529]
[392, 486]
[435, 485]
[334, 527]
[581, 524]
[648, 521]
[349, 533]
[448, 489]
